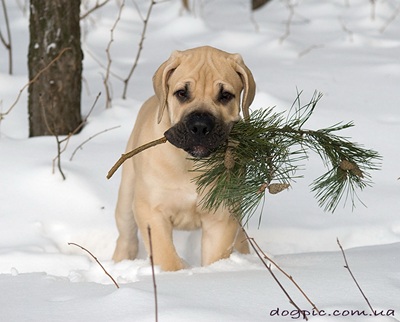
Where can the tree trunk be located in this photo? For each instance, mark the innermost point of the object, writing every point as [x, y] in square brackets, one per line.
[54, 102]
[256, 4]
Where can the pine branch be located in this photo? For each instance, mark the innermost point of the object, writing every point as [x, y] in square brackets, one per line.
[270, 150]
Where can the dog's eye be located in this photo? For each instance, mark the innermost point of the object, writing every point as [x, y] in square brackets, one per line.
[225, 97]
[182, 95]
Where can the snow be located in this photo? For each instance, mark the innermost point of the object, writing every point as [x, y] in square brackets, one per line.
[336, 47]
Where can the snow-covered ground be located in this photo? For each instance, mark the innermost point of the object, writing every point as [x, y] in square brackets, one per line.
[349, 50]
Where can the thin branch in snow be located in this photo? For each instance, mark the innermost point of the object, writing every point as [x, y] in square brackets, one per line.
[309, 49]
[354, 279]
[40, 72]
[290, 6]
[61, 149]
[153, 274]
[8, 43]
[290, 277]
[346, 29]
[98, 262]
[253, 245]
[373, 9]
[79, 147]
[97, 60]
[391, 19]
[109, 60]
[98, 5]
[135, 63]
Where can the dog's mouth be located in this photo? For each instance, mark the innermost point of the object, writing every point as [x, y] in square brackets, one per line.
[199, 151]
[199, 134]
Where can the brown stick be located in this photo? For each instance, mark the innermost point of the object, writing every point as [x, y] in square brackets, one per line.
[109, 60]
[132, 153]
[138, 53]
[80, 146]
[52, 132]
[268, 267]
[354, 279]
[90, 11]
[290, 277]
[391, 19]
[153, 274]
[32, 81]
[8, 43]
[97, 261]
[60, 149]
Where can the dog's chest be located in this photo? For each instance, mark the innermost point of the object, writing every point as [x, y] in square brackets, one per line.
[184, 213]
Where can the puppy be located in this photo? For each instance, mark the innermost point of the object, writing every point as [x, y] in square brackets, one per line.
[199, 94]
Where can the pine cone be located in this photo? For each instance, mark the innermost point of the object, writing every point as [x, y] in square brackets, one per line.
[356, 171]
[229, 160]
[352, 167]
[347, 165]
[262, 188]
[275, 188]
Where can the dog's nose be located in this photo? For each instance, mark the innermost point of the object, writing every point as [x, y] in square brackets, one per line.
[200, 124]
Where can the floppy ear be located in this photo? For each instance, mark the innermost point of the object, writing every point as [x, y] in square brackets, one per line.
[249, 85]
[160, 81]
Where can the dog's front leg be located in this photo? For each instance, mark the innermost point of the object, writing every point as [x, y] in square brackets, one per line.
[163, 250]
[127, 242]
[219, 237]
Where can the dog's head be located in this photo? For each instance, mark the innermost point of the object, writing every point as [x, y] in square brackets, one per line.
[202, 90]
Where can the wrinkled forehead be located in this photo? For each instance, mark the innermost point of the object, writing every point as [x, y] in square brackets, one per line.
[206, 71]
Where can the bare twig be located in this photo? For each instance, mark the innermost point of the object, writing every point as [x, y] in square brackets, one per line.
[97, 60]
[309, 49]
[132, 153]
[8, 43]
[109, 61]
[135, 63]
[254, 22]
[60, 149]
[354, 279]
[98, 262]
[32, 81]
[153, 274]
[290, 277]
[185, 4]
[252, 244]
[391, 19]
[346, 29]
[67, 138]
[373, 9]
[79, 147]
[52, 132]
[290, 7]
[98, 5]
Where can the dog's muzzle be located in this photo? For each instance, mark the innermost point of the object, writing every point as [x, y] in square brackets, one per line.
[199, 134]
